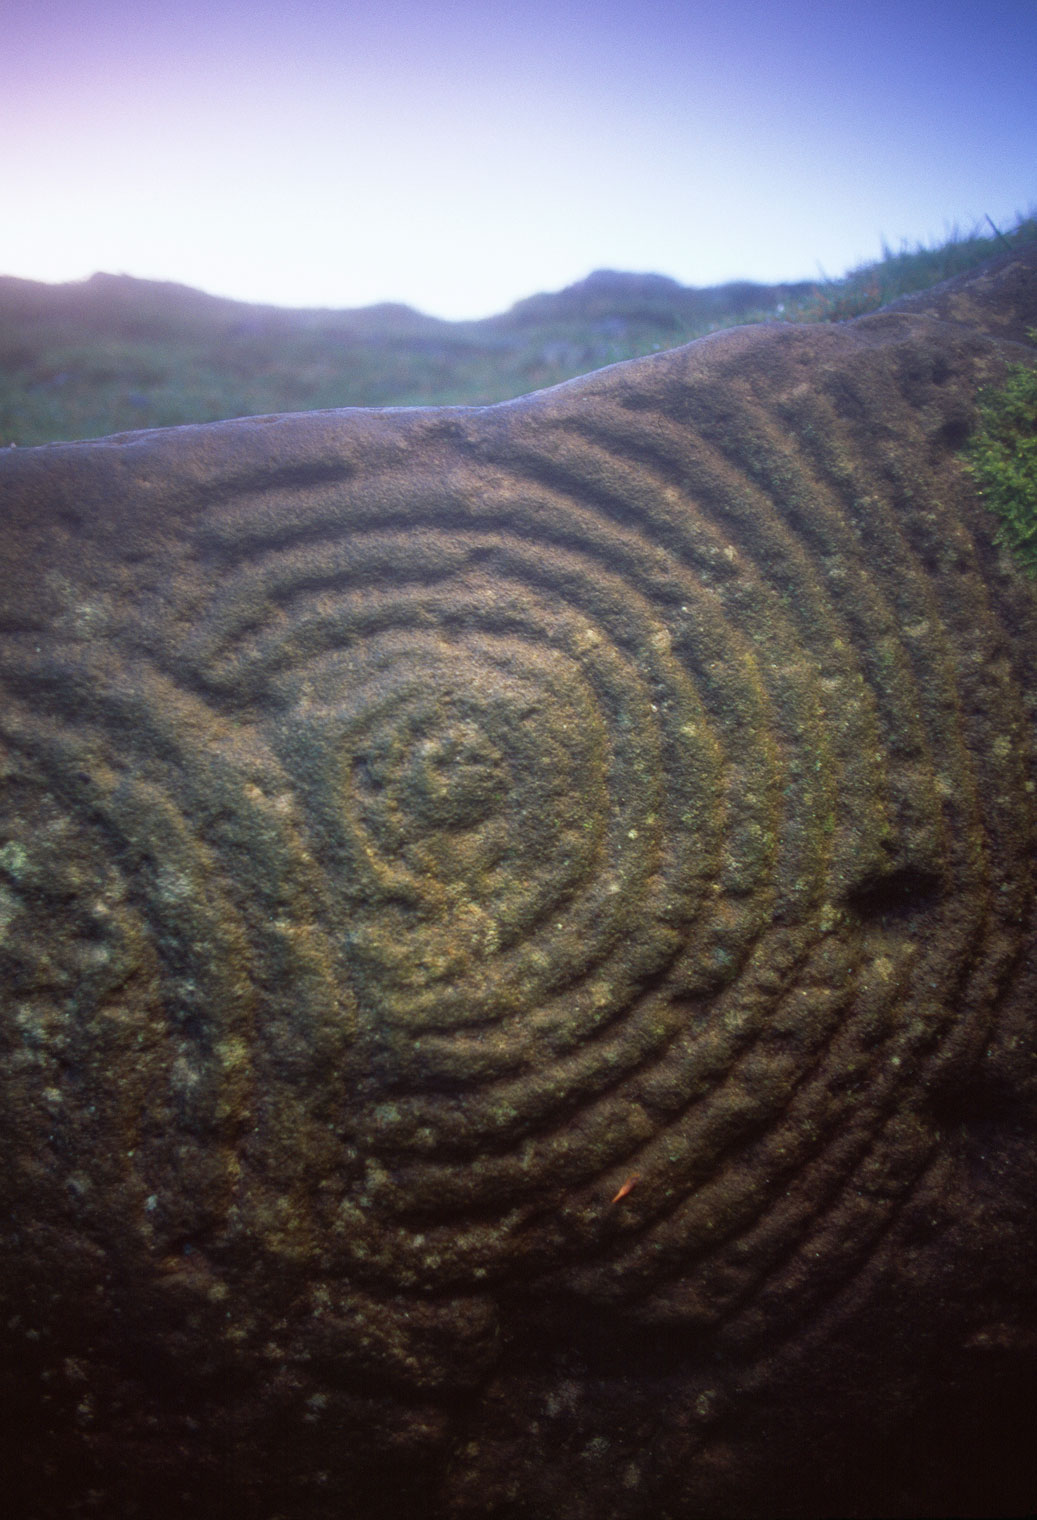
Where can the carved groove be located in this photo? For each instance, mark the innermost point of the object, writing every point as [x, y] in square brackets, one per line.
[630, 799]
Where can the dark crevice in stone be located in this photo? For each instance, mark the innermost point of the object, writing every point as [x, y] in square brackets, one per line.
[900, 894]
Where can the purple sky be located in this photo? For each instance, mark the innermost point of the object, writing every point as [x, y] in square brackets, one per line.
[458, 155]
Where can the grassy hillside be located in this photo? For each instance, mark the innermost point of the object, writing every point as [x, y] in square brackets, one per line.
[114, 353]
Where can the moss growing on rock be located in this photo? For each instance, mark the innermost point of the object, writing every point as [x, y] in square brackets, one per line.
[1002, 454]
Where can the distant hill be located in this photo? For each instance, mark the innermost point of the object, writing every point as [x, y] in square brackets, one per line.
[120, 303]
[124, 305]
[114, 353]
[608, 295]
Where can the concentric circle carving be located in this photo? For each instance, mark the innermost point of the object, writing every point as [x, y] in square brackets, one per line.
[572, 863]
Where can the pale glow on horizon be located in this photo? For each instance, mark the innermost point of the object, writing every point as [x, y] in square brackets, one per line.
[458, 158]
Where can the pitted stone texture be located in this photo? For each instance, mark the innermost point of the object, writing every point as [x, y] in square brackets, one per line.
[517, 947]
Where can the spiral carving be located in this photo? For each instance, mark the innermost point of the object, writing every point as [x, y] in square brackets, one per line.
[561, 847]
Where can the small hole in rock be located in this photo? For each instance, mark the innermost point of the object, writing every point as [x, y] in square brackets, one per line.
[899, 894]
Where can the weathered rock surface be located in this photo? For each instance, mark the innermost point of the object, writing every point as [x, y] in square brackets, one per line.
[517, 949]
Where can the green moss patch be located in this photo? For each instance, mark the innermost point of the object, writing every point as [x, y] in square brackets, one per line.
[1002, 454]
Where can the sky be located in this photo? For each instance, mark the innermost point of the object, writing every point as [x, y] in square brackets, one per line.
[458, 155]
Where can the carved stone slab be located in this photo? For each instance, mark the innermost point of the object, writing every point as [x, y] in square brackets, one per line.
[517, 948]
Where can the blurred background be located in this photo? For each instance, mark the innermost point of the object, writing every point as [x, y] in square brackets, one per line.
[444, 161]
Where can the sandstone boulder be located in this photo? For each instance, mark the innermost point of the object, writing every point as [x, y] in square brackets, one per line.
[517, 949]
